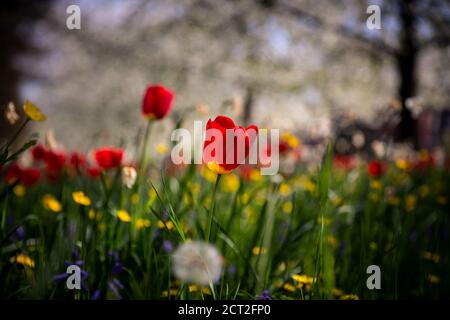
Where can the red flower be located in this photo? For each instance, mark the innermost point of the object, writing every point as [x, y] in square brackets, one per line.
[93, 172]
[157, 102]
[77, 160]
[13, 173]
[29, 176]
[38, 152]
[223, 158]
[376, 168]
[108, 158]
[344, 161]
[425, 161]
[283, 147]
[55, 160]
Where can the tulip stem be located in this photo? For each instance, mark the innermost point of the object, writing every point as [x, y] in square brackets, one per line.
[211, 210]
[144, 158]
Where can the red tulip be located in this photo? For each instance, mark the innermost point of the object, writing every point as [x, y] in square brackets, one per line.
[220, 157]
[157, 102]
[376, 168]
[55, 160]
[283, 147]
[93, 172]
[108, 158]
[29, 176]
[13, 173]
[344, 161]
[38, 152]
[26, 176]
[77, 160]
[425, 161]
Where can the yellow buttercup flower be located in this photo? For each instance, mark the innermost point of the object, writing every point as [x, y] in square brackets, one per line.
[230, 183]
[206, 290]
[287, 207]
[376, 184]
[193, 288]
[168, 224]
[410, 202]
[258, 250]
[19, 190]
[80, 198]
[306, 183]
[289, 287]
[123, 216]
[303, 279]
[142, 223]
[291, 140]
[23, 260]
[51, 203]
[161, 148]
[208, 175]
[33, 112]
[402, 164]
[171, 292]
[284, 190]
[434, 279]
[431, 256]
[255, 175]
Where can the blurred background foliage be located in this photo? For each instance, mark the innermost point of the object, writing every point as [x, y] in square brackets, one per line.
[285, 64]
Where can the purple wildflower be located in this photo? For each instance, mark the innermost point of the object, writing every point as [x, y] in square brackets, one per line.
[167, 246]
[265, 295]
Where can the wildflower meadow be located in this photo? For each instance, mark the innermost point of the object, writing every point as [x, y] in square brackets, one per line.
[105, 225]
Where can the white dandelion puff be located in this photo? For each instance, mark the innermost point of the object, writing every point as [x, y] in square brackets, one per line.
[129, 176]
[197, 262]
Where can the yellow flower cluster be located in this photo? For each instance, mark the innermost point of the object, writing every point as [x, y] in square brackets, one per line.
[80, 198]
[24, 260]
[142, 223]
[123, 215]
[51, 203]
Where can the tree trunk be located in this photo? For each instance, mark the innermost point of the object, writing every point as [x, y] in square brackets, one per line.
[406, 63]
[248, 105]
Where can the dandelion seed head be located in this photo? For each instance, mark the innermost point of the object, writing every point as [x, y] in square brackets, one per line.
[129, 176]
[197, 262]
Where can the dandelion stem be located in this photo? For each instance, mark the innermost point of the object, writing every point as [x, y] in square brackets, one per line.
[211, 210]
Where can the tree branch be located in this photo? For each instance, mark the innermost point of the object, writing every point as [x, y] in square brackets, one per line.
[317, 22]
